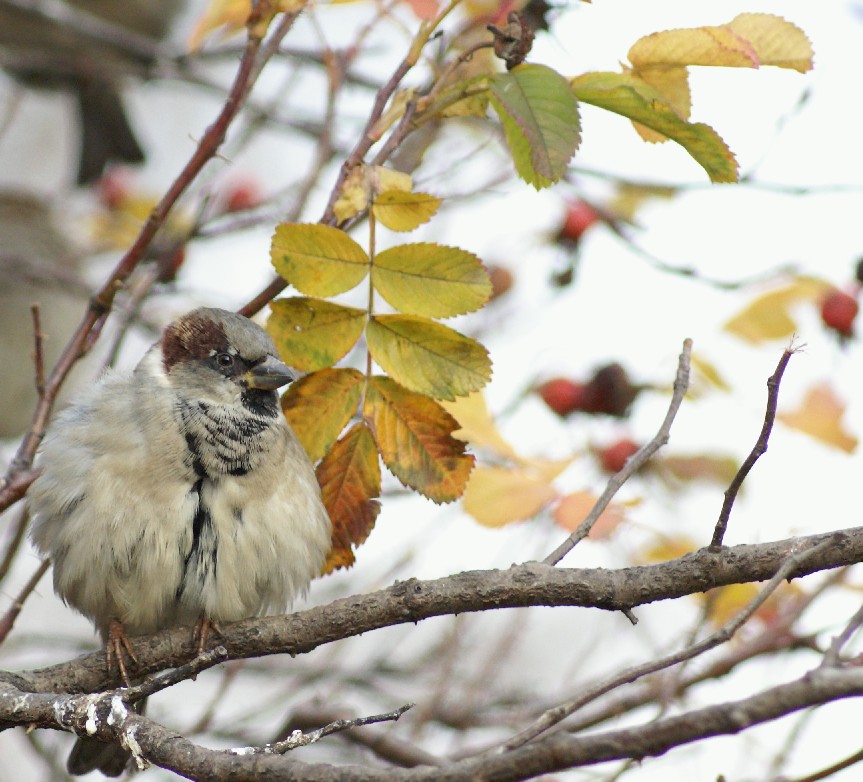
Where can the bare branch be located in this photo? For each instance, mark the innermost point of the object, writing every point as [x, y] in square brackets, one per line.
[633, 464]
[760, 447]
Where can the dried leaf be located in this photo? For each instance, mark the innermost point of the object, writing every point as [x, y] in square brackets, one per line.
[350, 480]
[319, 406]
[363, 184]
[414, 436]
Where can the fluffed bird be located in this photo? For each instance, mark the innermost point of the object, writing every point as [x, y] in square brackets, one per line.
[177, 493]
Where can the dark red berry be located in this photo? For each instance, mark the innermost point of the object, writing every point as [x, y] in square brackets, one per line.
[562, 395]
[613, 458]
[838, 311]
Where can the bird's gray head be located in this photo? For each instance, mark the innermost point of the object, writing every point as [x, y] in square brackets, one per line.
[220, 356]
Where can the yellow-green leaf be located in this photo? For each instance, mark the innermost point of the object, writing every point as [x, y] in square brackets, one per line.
[318, 260]
[769, 317]
[414, 436]
[402, 211]
[319, 406]
[431, 280]
[496, 496]
[629, 96]
[427, 357]
[313, 333]
[350, 480]
[540, 119]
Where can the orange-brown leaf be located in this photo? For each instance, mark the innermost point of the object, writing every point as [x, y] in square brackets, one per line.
[573, 509]
[319, 406]
[414, 436]
[350, 479]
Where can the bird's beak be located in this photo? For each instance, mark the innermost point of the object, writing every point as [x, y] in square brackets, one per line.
[269, 375]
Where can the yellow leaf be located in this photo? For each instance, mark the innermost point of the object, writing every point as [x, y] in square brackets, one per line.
[394, 111]
[431, 280]
[697, 467]
[769, 316]
[354, 196]
[401, 211]
[414, 436]
[318, 260]
[319, 406]
[312, 333]
[496, 496]
[427, 357]
[748, 41]
[707, 371]
[477, 425]
[693, 46]
[820, 416]
[229, 15]
[363, 184]
[777, 41]
[350, 480]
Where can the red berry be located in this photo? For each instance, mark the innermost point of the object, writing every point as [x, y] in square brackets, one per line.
[243, 194]
[562, 395]
[838, 311]
[502, 280]
[578, 218]
[613, 458]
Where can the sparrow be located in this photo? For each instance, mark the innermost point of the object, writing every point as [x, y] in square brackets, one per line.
[88, 47]
[177, 494]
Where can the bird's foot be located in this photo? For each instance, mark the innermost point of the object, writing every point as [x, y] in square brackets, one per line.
[117, 647]
[203, 627]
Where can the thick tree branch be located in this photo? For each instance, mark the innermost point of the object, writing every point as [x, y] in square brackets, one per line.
[530, 584]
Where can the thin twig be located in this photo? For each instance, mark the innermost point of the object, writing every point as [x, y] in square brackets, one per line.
[300, 739]
[38, 349]
[760, 447]
[8, 620]
[555, 715]
[176, 675]
[831, 656]
[635, 463]
[16, 538]
[851, 760]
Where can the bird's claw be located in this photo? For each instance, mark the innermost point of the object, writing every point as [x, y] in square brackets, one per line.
[201, 633]
[117, 647]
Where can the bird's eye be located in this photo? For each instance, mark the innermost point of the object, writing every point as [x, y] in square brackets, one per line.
[225, 360]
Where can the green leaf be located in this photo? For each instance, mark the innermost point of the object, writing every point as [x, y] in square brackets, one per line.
[312, 333]
[431, 280]
[414, 436]
[631, 97]
[427, 357]
[403, 211]
[319, 406]
[540, 118]
[318, 260]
